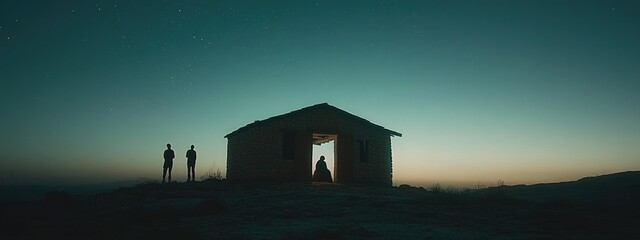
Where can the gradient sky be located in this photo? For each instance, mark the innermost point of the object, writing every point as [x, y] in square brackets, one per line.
[518, 91]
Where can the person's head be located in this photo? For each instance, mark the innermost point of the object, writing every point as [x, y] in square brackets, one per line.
[168, 146]
[192, 147]
[322, 158]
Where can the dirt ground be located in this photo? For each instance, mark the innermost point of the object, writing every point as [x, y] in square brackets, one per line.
[221, 210]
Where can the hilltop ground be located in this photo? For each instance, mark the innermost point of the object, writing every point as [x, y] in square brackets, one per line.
[221, 210]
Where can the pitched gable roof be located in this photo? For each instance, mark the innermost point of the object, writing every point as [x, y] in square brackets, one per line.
[313, 108]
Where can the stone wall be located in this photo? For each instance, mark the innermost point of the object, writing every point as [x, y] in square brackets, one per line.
[377, 169]
[256, 155]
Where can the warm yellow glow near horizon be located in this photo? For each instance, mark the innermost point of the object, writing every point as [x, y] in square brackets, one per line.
[526, 165]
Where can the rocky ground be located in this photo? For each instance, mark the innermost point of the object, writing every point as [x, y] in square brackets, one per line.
[221, 210]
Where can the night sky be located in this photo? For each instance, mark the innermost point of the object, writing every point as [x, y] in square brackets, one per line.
[518, 91]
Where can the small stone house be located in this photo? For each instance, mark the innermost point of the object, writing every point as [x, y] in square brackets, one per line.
[280, 148]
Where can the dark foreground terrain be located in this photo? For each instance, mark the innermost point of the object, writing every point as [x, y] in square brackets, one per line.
[221, 210]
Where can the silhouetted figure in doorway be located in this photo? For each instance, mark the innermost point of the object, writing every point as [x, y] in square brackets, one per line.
[322, 173]
[168, 162]
[191, 164]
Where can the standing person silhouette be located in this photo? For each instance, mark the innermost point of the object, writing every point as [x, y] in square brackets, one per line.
[191, 164]
[169, 155]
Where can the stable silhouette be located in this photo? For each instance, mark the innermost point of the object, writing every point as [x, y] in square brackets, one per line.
[191, 164]
[322, 173]
[169, 155]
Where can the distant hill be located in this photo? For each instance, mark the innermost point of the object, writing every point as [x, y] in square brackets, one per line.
[606, 190]
[34, 192]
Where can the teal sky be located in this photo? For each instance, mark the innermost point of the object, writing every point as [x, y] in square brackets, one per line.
[519, 91]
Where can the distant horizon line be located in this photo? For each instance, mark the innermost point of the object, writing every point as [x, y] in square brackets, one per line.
[417, 183]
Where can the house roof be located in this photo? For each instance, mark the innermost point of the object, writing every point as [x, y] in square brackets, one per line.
[259, 123]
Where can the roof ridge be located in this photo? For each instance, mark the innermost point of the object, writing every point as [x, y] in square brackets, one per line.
[319, 105]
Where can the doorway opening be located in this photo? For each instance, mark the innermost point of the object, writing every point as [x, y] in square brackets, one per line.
[324, 145]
